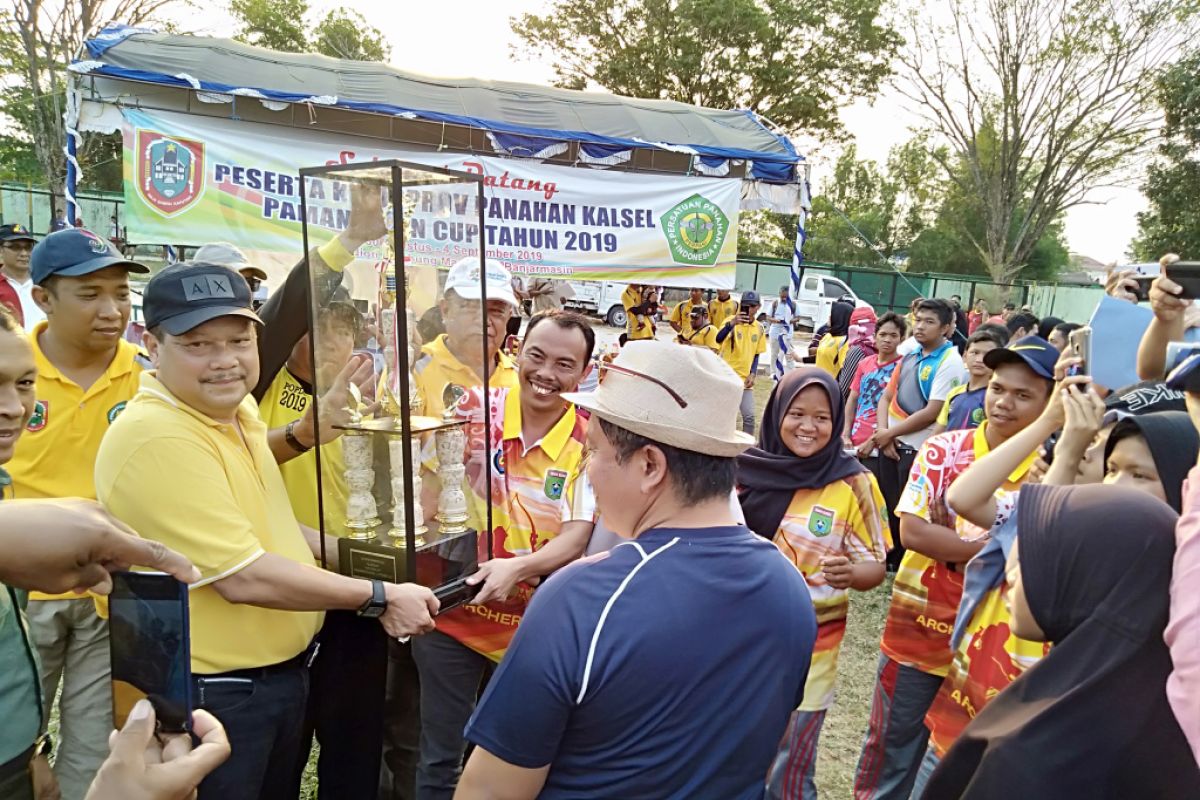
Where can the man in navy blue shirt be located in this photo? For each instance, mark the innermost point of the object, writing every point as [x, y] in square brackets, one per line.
[668, 666]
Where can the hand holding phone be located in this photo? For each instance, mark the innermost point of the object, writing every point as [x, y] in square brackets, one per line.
[1080, 344]
[150, 648]
[1185, 274]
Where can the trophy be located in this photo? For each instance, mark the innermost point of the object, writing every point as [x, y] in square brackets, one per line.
[396, 456]
[362, 517]
[451, 442]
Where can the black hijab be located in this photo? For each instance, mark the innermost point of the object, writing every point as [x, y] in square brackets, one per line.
[769, 475]
[1174, 445]
[839, 320]
[1091, 719]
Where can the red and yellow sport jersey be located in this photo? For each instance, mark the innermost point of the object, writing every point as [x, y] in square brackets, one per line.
[845, 518]
[988, 659]
[926, 593]
[530, 486]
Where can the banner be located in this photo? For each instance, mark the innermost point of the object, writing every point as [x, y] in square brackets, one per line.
[190, 180]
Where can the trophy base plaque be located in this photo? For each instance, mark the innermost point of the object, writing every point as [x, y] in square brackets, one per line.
[373, 559]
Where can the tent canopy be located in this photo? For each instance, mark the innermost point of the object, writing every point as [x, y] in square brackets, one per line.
[518, 119]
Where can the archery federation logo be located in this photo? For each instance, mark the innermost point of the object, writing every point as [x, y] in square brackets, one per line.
[170, 171]
[695, 229]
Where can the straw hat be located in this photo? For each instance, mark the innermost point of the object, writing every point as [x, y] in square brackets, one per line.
[686, 397]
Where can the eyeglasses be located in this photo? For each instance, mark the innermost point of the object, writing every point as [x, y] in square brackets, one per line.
[635, 374]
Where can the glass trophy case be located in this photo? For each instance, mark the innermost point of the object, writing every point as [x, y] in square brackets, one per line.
[397, 486]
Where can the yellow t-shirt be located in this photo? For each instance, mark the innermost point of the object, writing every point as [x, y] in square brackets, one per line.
[437, 367]
[706, 337]
[845, 518]
[831, 352]
[56, 455]
[721, 310]
[682, 315]
[286, 400]
[181, 478]
[531, 487]
[741, 346]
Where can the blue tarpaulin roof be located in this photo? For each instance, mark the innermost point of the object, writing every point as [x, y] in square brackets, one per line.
[600, 121]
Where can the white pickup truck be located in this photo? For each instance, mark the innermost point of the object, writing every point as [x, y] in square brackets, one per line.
[817, 294]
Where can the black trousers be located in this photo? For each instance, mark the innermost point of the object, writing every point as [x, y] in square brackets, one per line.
[345, 708]
[401, 725]
[892, 477]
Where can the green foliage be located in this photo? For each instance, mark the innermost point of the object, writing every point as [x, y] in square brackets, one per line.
[1172, 184]
[345, 34]
[279, 25]
[793, 63]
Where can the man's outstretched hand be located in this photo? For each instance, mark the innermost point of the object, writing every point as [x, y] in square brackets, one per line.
[70, 544]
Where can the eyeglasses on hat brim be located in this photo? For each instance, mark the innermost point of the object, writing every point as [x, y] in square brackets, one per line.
[635, 374]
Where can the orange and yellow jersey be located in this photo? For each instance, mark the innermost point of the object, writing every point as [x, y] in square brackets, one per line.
[531, 485]
[844, 518]
[926, 594]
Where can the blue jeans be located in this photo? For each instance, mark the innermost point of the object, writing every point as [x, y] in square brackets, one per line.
[896, 735]
[924, 773]
[263, 714]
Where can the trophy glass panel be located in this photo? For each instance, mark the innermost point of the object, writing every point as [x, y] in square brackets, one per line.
[402, 486]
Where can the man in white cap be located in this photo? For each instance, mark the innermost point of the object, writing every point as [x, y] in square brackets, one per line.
[666, 667]
[229, 255]
[456, 356]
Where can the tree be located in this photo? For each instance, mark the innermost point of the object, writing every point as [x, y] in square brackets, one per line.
[279, 25]
[38, 39]
[345, 34]
[793, 63]
[1040, 102]
[1172, 223]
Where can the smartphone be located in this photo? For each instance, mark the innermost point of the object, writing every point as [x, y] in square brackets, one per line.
[745, 309]
[150, 648]
[1142, 292]
[1080, 342]
[456, 593]
[1187, 275]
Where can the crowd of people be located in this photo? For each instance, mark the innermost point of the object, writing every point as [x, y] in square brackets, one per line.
[669, 582]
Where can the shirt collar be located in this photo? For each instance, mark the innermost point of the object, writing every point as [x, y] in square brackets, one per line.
[121, 364]
[556, 438]
[150, 386]
[439, 351]
[981, 449]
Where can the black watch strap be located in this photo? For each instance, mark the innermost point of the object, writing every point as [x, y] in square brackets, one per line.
[289, 436]
[374, 608]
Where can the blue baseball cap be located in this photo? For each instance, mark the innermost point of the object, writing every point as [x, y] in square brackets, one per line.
[189, 294]
[15, 232]
[1032, 351]
[751, 299]
[74, 252]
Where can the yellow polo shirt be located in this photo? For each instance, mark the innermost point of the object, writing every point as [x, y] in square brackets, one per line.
[56, 455]
[706, 336]
[531, 487]
[742, 345]
[721, 310]
[438, 367]
[682, 315]
[286, 400]
[634, 328]
[181, 478]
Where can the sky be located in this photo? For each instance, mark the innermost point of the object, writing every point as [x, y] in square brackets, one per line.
[473, 38]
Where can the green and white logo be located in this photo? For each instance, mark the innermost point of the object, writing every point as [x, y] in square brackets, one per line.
[695, 229]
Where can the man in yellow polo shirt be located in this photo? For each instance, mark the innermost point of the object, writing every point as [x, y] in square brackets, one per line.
[702, 334]
[86, 373]
[188, 464]
[743, 340]
[721, 308]
[538, 453]
[681, 314]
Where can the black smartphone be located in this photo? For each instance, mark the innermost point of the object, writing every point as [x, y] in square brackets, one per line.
[1187, 275]
[745, 309]
[1142, 292]
[150, 648]
[456, 593]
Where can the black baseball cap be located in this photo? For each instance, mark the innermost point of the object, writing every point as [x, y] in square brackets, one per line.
[15, 232]
[191, 293]
[1032, 351]
[73, 252]
[698, 310]
[751, 299]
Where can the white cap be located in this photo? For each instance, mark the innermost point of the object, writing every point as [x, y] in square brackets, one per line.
[464, 280]
[227, 255]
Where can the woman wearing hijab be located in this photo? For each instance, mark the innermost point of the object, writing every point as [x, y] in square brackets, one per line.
[1090, 572]
[823, 510]
[861, 337]
[1152, 453]
[831, 353]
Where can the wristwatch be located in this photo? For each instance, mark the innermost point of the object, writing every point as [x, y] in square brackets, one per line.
[374, 608]
[289, 436]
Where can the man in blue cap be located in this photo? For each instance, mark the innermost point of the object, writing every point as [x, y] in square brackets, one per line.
[16, 242]
[86, 374]
[743, 340]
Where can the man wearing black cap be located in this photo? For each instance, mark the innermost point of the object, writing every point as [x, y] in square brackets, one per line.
[86, 374]
[16, 243]
[192, 440]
